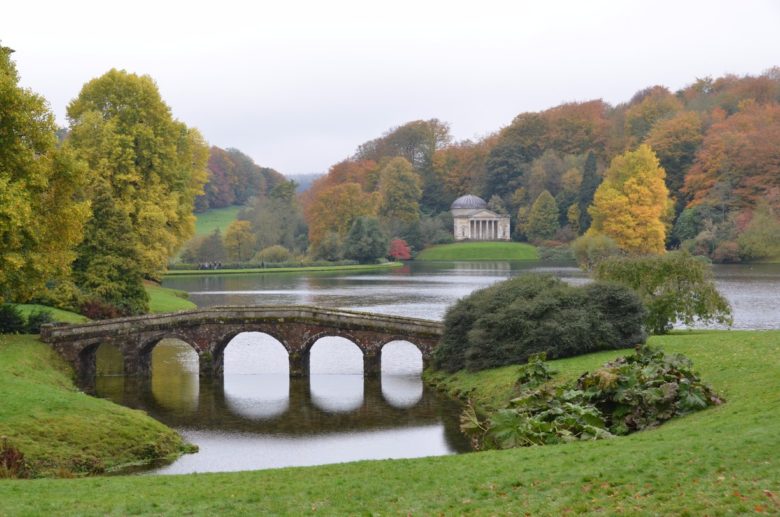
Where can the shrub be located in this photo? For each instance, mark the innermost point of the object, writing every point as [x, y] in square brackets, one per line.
[509, 321]
[626, 395]
[275, 253]
[589, 250]
[37, 318]
[12, 462]
[95, 309]
[399, 250]
[11, 320]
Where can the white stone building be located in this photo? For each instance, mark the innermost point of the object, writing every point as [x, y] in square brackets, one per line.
[473, 221]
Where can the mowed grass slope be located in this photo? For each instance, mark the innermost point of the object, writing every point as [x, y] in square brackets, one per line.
[61, 430]
[164, 299]
[216, 218]
[480, 251]
[722, 461]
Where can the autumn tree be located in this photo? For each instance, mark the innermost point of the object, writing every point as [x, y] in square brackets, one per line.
[399, 250]
[675, 142]
[542, 218]
[154, 165]
[648, 107]
[240, 241]
[336, 208]
[41, 211]
[737, 164]
[399, 191]
[632, 204]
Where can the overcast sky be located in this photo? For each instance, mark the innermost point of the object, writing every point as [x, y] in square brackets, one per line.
[299, 85]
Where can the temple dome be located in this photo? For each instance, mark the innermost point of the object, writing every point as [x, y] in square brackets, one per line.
[468, 202]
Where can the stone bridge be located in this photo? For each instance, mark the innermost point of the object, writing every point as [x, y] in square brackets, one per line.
[209, 331]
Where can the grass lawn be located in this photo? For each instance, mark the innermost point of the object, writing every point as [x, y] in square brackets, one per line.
[62, 431]
[722, 461]
[480, 251]
[272, 270]
[208, 221]
[163, 299]
[57, 314]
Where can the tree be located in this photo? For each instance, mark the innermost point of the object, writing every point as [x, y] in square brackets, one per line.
[761, 238]
[496, 204]
[329, 248]
[573, 218]
[399, 250]
[240, 241]
[108, 268]
[675, 142]
[365, 241]
[336, 208]
[211, 249]
[154, 165]
[590, 182]
[648, 107]
[543, 218]
[674, 287]
[632, 204]
[42, 211]
[399, 188]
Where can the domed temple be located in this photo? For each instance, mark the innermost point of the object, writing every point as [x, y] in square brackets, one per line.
[473, 221]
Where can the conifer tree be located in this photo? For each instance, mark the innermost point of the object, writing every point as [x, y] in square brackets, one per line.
[543, 218]
[590, 182]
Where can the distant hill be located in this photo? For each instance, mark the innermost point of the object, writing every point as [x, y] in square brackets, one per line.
[304, 181]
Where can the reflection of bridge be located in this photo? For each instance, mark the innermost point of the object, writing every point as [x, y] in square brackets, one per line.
[212, 408]
[209, 331]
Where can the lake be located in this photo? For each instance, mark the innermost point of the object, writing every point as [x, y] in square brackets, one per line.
[257, 417]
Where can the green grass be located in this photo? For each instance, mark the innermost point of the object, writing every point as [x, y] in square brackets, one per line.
[272, 270]
[480, 251]
[57, 314]
[217, 218]
[62, 431]
[164, 299]
[722, 461]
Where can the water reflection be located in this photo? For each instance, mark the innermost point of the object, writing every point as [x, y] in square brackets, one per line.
[175, 383]
[258, 397]
[402, 391]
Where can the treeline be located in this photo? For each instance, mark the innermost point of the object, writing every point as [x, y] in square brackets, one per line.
[234, 179]
[715, 144]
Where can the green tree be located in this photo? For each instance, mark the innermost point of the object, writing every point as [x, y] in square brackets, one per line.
[154, 165]
[399, 187]
[365, 241]
[590, 182]
[211, 249]
[239, 241]
[108, 267]
[761, 237]
[632, 204]
[674, 287]
[330, 248]
[543, 218]
[41, 212]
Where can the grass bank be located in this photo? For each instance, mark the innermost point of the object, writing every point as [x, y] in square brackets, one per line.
[215, 219]
[60, 430]
[164, 299]
[274, 270]
[722, 461]
[479, 251]
[58, 314]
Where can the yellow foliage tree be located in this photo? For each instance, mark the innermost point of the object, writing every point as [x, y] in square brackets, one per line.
[240, 241]
[632, 204]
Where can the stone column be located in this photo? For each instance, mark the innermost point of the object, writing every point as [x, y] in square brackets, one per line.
[299, 364]
[372, 363]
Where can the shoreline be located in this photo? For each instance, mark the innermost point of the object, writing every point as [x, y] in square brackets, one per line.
[272, 270]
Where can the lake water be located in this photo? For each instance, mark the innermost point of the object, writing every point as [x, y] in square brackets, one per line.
[257, 417]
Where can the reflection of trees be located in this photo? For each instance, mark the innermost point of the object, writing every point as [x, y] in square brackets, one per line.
[302, 417]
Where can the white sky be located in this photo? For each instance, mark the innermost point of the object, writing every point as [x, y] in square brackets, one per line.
[298, 85]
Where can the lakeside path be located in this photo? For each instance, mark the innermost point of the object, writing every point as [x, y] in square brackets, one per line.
[272, 270]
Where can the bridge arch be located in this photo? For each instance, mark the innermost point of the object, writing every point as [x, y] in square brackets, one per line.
[401, 357]
[143, 361]
[266, 352]
[337, 354]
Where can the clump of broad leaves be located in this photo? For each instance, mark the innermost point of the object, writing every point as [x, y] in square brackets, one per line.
[623, 396]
